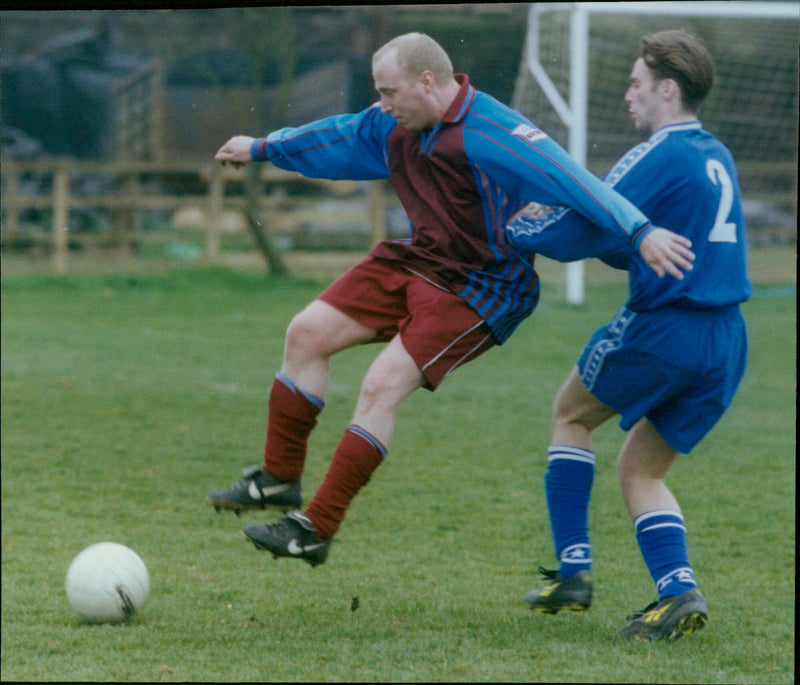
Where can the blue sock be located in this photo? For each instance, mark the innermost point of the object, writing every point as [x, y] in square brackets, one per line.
[568, 486]
[662, 540]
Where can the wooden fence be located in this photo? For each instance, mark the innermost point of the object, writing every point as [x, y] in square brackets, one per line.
[288, 203]
[57, 187]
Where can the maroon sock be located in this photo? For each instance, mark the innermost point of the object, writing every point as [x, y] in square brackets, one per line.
[292, 416]
[355, 459]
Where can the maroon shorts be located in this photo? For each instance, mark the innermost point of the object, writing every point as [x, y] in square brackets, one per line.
[438, 329]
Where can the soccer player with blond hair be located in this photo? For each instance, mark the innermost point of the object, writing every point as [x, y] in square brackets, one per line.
[462, 164]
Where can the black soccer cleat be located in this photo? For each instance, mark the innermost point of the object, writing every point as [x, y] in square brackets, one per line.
[668, 619]
[574, 594]
[257, 490]
[292, 536]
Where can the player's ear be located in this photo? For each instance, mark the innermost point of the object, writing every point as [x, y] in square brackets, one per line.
[670, 89]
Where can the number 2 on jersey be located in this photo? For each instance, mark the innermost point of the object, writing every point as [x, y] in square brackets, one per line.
[724, 231]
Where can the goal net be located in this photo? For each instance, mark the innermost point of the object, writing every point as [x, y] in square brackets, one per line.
[575, 69]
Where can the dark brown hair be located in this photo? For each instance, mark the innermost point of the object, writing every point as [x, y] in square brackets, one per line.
[681, 56]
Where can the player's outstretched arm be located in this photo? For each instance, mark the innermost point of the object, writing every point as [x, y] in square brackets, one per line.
[236, 151]
[667, 252]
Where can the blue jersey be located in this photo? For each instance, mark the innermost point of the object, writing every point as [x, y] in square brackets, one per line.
[459, 183]
[685, 180]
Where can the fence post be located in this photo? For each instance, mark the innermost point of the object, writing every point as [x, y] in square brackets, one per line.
[11, 223]
[60, 219]
[216, 191]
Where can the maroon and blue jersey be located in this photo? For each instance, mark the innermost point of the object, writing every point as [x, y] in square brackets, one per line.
[459, 183]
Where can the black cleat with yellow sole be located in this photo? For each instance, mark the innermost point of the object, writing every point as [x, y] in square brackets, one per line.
[573, 594]
[668, 619]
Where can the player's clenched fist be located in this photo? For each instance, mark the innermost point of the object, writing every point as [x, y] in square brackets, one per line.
[236, 151]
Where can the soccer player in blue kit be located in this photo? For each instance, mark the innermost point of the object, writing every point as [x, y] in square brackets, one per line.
[462, 164]
[670, 361]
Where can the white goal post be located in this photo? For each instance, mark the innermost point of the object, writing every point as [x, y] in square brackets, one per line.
[564, 38]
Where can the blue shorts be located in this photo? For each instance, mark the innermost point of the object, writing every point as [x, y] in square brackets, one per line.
[679, 368]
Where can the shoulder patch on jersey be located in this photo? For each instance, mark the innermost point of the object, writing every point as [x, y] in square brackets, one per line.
[530, 133]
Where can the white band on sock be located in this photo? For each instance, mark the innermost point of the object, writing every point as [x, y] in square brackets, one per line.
[566, 452]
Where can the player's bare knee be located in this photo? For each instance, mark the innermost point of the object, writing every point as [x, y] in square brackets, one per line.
[374, 397]
[385, 385]
[305, 337]
[632, 473]
[375, 387]
[559, 415]
[568, 417]
[565, 410]
[625, 475]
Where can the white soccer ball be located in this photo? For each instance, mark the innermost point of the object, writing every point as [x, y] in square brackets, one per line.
[107, 582]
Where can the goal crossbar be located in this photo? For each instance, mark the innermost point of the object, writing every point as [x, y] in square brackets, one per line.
[710, 8]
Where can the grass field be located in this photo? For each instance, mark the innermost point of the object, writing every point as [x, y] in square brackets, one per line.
[126, 397]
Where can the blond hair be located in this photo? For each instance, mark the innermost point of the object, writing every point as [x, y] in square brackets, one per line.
[417, 52]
